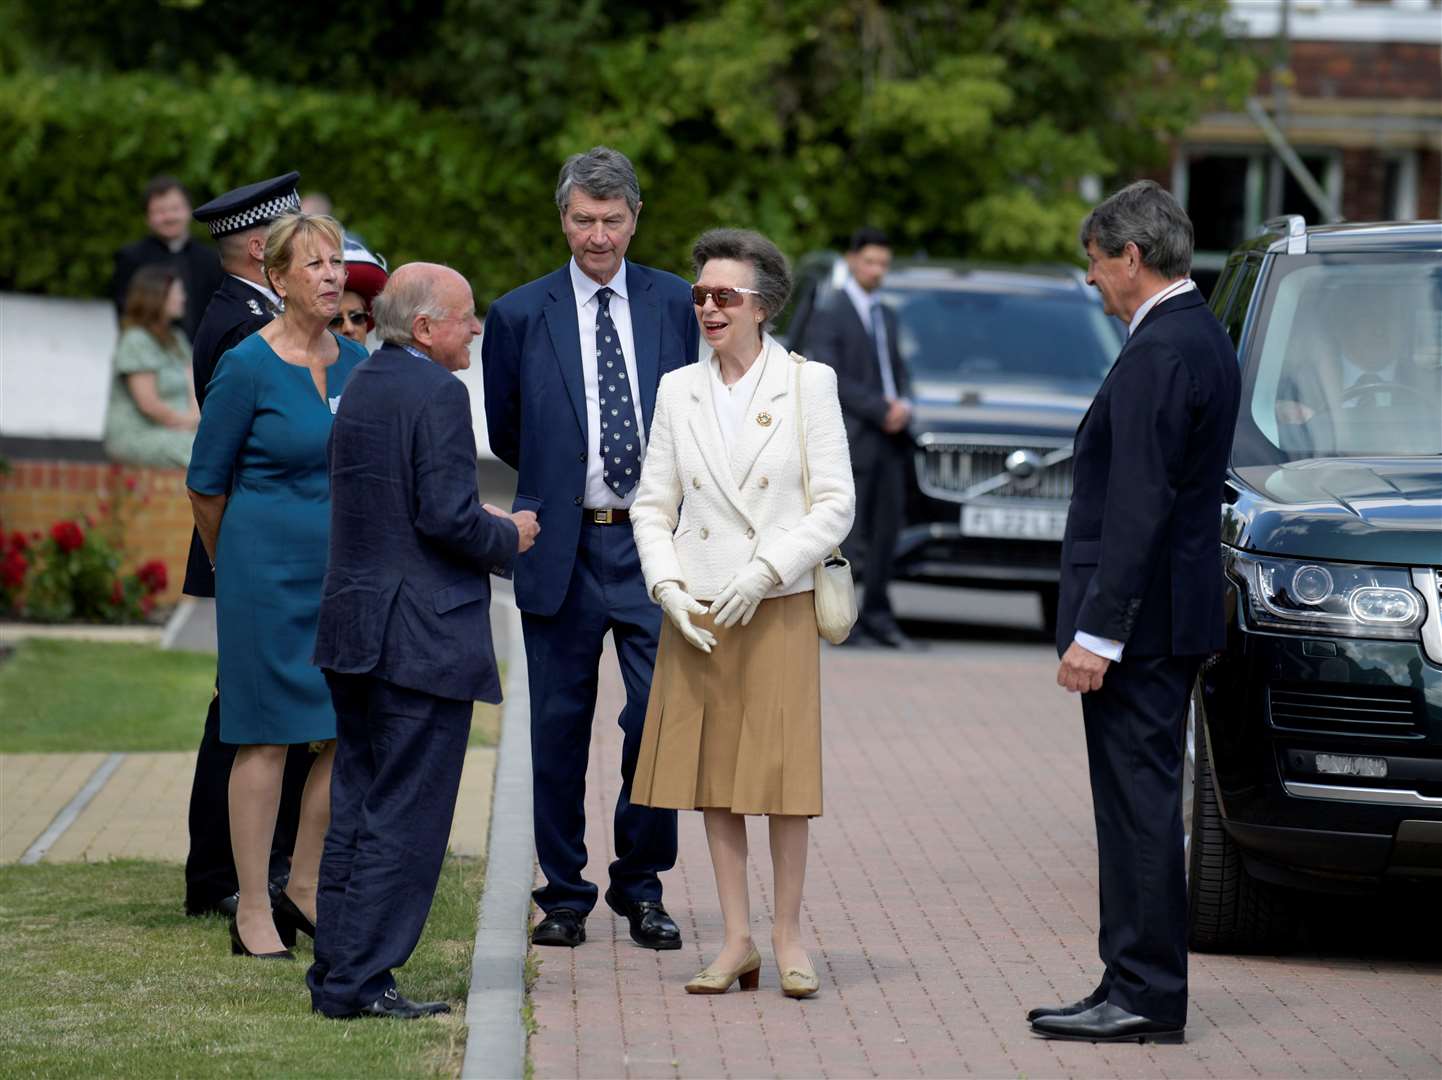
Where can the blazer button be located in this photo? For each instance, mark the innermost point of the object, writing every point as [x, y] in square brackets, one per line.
[577, 500]
[695, 481]
[750, 534]
[705, 533]
[763, 482]
[581, 458]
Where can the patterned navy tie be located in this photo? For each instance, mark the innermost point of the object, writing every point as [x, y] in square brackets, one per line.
[620, 441]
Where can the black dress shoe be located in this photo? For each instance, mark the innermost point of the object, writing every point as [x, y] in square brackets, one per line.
[650, 925]
[560, 927]
[1096, 997]
[238, 948]
[392, 1005]
[886, 632]
[1108, 1023]
[289, 917]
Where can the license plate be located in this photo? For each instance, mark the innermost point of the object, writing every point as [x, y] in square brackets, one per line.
[1019, 523]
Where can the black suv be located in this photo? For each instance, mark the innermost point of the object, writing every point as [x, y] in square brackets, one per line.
[1004, 362]
[1315, 740]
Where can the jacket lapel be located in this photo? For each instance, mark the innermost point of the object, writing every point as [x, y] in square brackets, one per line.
[752, 438]
[565, 331]
[646, 334]
[707, 432]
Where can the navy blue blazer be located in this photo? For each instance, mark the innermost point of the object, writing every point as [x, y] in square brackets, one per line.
[1141, 556]
[407, 590]
[536, 404]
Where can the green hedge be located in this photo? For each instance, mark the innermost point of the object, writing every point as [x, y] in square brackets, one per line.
[416, 184]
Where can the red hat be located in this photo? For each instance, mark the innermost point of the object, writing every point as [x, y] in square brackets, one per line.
[365, 273]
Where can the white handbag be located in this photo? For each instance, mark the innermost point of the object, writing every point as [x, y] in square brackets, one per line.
[834, 590]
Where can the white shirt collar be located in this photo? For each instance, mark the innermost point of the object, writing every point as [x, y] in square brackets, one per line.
[274, 300]
[586, 288]
[864, 302]
[1175, 288]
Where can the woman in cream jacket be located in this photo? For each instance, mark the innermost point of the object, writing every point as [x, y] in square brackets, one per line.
[728, 549]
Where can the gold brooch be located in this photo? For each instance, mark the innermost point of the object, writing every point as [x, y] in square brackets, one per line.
[764, 419]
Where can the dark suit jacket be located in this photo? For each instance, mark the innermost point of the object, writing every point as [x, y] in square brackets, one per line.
[835, 335]
[407, 589]
[197, 264]
[234, 313]
[536, 404]
[1141, 556]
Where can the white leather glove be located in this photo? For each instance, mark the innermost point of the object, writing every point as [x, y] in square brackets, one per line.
[738, 601]
[679, 606]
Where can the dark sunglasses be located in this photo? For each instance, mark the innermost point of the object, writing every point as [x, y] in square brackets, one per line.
[725, 296]
[357, 318]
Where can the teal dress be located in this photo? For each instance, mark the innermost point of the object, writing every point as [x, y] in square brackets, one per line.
[262, 438]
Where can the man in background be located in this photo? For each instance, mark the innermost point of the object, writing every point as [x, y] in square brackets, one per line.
[856, 334]
[167, 213]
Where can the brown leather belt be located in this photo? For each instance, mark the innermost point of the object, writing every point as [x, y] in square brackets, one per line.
[605, 517]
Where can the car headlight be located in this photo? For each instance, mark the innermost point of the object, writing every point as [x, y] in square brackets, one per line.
[1327, 598]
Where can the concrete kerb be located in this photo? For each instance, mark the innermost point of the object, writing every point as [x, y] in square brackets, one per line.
[496, 1043]
[63, 820]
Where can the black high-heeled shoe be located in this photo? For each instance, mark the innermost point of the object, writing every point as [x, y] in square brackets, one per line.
[289, 917]
[237, 947]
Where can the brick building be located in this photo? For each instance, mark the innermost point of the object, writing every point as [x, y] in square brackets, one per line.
[1360, 101]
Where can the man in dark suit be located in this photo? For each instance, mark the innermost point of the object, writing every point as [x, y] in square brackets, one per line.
[241, 305]
[567, 358]
[167, 213]
[854, 332]
[404, 636]
[1141, 600]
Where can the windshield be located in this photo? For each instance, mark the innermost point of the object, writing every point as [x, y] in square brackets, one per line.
[1346, 361]
[955, 335]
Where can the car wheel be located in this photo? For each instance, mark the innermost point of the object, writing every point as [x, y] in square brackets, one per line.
[1228, 910]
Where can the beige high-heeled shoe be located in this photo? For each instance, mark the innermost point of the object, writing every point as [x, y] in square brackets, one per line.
[748, 974]
[796, 983]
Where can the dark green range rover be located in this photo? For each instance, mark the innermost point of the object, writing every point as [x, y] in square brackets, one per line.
[1315, 739]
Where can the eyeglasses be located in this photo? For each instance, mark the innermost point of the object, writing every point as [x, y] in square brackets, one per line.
[725, 295]
[356, 318]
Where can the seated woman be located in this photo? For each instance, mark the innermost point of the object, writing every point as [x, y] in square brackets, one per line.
[152, 415]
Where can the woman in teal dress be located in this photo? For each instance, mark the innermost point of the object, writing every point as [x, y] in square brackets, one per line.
[152, 413]
[261, 497]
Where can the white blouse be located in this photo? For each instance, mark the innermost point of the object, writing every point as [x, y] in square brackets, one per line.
[733, 403]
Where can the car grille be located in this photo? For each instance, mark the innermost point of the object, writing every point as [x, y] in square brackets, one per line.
[1372, 711]
[963, 468]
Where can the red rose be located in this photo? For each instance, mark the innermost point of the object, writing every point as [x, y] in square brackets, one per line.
[18, 542]
[67, 535]
[147, 604]
[153, 576]
[12, 570]
[130, 483]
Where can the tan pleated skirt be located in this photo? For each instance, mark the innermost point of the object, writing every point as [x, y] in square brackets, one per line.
[738, 729]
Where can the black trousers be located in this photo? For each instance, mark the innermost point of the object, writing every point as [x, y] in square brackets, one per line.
[210, 864]
[879, 463]
[607, 594]
[1134, 730]
[393, 787]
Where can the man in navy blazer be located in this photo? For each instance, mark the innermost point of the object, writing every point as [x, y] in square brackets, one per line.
[571, 362]
[404, 636]
[1141, 600]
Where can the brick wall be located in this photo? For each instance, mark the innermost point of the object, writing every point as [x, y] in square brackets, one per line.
[1429, 185]
[36, 494]
[1361, 69]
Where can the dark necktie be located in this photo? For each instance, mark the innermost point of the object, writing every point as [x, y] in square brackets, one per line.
[620, 441]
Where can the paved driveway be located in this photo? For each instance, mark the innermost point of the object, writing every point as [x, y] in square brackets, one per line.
[951, 887]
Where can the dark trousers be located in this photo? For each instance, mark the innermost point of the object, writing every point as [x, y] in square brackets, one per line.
[393, 790]
[210, 863]
[879, 462]
[1134, 731]
[563, 654]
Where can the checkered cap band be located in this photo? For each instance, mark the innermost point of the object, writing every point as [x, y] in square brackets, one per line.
[259, 214]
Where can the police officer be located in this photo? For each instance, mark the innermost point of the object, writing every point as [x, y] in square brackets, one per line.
[242, 305]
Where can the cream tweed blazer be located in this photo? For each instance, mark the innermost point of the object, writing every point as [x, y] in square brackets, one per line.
[701, 514]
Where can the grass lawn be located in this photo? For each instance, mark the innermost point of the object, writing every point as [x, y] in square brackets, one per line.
[58, 696]
[105, 977]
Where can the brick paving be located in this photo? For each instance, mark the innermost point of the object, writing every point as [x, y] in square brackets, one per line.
[951, 887]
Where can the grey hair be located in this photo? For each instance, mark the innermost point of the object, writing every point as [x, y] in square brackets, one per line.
[601, 173]
[1143, 213]
[773, 275]
[405, 298]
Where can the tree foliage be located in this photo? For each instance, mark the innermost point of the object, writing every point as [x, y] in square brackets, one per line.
[437, 125]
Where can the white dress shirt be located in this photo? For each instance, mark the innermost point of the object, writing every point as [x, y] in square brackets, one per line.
[1106, 647]
[598, 495]
[733, 403]
[275, 302]
[868, 308]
